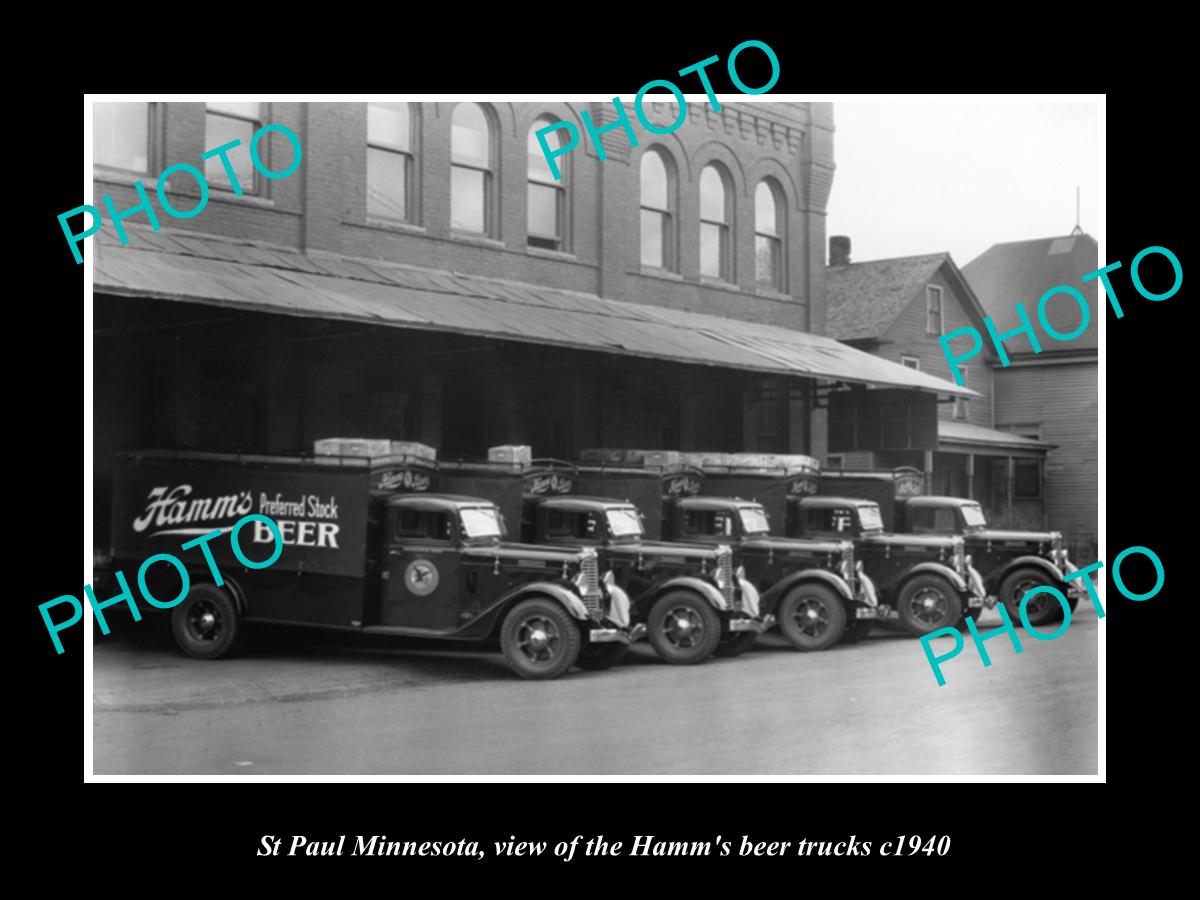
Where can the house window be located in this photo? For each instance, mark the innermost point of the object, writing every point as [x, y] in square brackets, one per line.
[1027, 479]
[389, 161]
[658, 220]
[768, 234]
[547, 195]
[121, 136]
[960, 403]
[224, 123]
[911, 362]
[714, 225]
[471, 202]
[933, 309]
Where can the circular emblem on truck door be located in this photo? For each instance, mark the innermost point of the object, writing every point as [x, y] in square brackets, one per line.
[421, 577]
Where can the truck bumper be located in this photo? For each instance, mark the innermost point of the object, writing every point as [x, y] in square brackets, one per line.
[756, 625]
[614, 635]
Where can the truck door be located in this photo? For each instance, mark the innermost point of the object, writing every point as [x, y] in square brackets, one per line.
[423, 571]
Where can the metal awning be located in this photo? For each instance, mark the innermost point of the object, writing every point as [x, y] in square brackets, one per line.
[208, 269]
[963, 437]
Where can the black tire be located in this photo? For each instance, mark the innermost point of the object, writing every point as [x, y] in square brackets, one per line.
[539, 639]
[598, 657]
[1042, 609]
[206, 624]
[929, 602]
[812, 617]
[735, 644]
[683, 628]
[857, 630]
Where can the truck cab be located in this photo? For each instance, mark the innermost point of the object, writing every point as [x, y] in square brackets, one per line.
[689, 599]
[927, 579]
[1009, 562]
[815, 589]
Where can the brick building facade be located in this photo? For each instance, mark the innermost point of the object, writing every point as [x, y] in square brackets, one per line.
[278, 317]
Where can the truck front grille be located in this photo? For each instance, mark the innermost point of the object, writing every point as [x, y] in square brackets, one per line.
[725, 565]
[591, 583]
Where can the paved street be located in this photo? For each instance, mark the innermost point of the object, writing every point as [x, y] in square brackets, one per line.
[292, 704]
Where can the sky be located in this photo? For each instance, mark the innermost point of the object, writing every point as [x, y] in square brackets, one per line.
[926, 177]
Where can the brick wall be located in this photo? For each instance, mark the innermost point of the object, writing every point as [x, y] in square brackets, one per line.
[323, 205]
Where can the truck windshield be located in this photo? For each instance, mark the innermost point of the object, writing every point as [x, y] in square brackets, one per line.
[624, 522]
[754, 519]
[869, 515]
[973, 516]
[480, 521]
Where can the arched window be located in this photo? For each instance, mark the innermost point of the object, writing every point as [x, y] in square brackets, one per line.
[658, 220]
[547, 195]
[768, 236]
[715, 216]
[471, 205]
[389, 161]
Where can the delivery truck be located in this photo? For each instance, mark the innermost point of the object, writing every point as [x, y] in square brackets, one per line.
[369, 546]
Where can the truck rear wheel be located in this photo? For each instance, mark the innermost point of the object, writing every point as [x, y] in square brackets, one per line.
[206, 624]
[540, 639]
[812, 617]
[1040, 610]
[929, 602]
[683, 628]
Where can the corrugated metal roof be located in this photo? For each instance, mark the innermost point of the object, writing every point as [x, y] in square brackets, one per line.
[864, 299]
[1022, 271]
[213, 270]
[966, 433]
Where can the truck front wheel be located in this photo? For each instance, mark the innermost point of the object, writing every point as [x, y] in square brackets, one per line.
[540, 639]
[206, 624]
[929, 602]
[812, 617]
[1040, 610]
[683, 628]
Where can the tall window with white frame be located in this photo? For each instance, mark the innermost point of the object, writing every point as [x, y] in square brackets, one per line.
[768, 237]
[960, 403]
[121, 136]
[715, 216]
[389, 161]
[658, 217]
[224, 122]
[933, 310]
[472, 207]
[547, 195]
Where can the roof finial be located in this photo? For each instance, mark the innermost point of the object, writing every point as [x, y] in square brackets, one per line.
[1076, 230]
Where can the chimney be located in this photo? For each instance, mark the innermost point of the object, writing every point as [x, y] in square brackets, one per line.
[839, 250]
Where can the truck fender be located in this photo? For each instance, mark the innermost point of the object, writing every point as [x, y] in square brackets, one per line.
[1031, 562]
[697, 585]
[567, 598]
[235, 590]
[932, 568]
[771, 596]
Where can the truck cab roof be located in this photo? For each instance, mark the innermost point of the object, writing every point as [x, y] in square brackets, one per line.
[715, 503]
[937, 500]
[445, 502]
[824, 502]
[581, 504]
